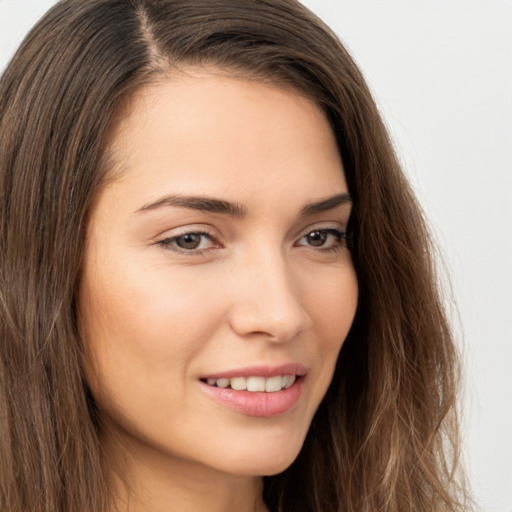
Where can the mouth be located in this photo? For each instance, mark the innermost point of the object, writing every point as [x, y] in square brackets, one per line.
[258, 391]
[254, 384]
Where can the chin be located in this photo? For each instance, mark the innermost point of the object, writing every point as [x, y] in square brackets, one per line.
[263, 468]
[257, 460]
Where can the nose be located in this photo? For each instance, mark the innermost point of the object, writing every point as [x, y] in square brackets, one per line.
[267, 299]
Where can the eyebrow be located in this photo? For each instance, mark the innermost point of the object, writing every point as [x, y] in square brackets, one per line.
[212, 205]
[206, 204]
[326, 204]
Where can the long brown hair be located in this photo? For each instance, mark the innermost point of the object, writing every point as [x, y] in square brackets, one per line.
[385, 436]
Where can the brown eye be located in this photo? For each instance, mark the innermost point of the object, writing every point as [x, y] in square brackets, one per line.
[189, 241]
[330, 238]
[317, 238]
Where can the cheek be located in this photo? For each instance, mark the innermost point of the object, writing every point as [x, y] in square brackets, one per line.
[142, 301]
[142, 324]
[143, 335]
[332, 309]
[333, 305]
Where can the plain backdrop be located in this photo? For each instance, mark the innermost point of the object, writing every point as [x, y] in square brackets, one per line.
[441, 72]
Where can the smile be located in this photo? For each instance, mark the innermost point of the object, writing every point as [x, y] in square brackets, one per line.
[254, 383]
[253, 394]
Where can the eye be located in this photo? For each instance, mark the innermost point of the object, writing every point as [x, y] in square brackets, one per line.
[325, 238]
[193, 242]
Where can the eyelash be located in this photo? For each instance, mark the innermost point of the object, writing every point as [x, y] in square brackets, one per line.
[167, 243]
[341, 239]
[339, 236]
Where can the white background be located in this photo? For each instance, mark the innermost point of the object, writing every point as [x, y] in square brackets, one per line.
[442, 75]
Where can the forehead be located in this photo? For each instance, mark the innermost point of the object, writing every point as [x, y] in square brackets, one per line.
[214, 131]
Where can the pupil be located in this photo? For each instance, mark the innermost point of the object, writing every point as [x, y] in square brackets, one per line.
[317, 238]
[189, 241]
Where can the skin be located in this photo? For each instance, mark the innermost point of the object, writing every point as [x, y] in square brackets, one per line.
[258, 290]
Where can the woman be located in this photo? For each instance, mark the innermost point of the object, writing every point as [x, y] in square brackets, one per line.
[217, 290]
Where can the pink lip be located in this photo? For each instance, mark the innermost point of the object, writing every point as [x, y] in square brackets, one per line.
[262, 405]
[260, 371]
[258, 404]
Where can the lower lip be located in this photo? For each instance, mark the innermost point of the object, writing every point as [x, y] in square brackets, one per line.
[258, 404]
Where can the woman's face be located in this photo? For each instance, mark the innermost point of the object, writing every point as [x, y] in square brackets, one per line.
[216, 290]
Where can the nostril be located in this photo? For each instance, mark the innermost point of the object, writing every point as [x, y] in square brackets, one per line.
[276, 324]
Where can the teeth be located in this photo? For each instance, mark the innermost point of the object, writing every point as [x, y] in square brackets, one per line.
[255, 384]
[238, 383]
[274, 384]
[290, 379]
[221, 383]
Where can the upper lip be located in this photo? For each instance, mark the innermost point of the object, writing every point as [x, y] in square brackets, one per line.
[297, 369]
